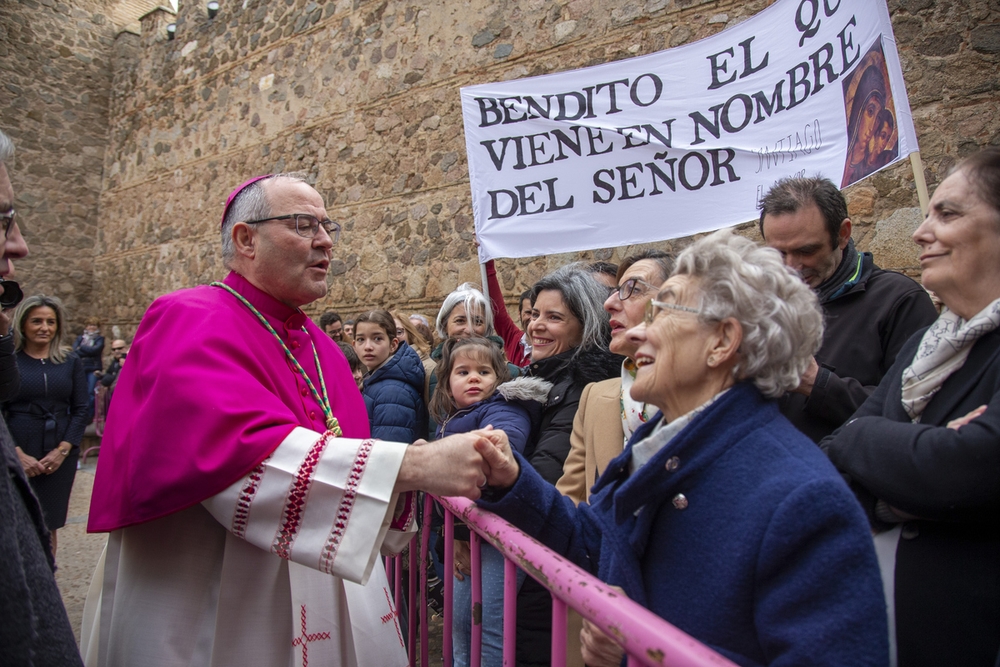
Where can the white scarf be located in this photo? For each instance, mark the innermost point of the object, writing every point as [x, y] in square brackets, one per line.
[942, 351]
[634, 413]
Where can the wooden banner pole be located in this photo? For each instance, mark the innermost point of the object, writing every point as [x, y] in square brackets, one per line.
[918, 180]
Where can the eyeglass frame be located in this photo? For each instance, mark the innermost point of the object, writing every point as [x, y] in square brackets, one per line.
[334, 233]
[634, 282]
[8, 218]
[654, 307]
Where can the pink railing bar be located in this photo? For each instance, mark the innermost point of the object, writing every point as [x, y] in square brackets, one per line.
[558, 631]
[509, 613]
[411, 608]
[476, 645]
[646, 638]
[425, 536]
[449, 586]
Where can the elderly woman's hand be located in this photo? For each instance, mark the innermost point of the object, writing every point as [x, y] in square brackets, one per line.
[496, 452]
[597, 648]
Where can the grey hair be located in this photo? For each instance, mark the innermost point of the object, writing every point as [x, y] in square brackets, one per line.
[6, 148]
[585, 298]
[474, 302]
[780, 315]
[57, 351]
[250, 204]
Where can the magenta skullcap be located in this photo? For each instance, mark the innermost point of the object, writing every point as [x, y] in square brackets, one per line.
[239, 189]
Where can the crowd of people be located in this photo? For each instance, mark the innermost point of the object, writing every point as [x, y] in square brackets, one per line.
[837, 357]
[782, 449]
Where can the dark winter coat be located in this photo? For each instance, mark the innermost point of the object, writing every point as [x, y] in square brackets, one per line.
[91, 353]
[569, 373]
[515, 407]
[947, 576]
[34, 628]
[865, 328]
[394, 396]
[436, 354]
[110, 375]
[737, 531]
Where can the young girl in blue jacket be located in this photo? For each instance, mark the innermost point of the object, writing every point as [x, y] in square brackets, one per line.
[393, 387]
[475, 391]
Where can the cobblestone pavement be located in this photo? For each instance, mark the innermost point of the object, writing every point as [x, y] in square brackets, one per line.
[78, 551]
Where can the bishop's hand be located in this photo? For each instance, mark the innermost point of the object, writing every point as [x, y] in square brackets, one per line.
[502, 468]
[450, 466]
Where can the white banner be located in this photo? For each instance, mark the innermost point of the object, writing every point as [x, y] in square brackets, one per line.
[686, 140]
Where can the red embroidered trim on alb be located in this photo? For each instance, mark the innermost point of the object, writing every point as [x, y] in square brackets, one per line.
[245, 500]
[346, 506]
[295, 501]
[392, 616]
[305, 638]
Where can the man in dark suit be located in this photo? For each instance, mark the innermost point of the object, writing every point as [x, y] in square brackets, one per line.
[869, 313]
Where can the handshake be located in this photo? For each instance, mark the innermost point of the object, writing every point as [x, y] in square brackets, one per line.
[459, 465]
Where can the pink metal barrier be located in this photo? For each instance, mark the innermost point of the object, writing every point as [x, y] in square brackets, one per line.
[646, 638]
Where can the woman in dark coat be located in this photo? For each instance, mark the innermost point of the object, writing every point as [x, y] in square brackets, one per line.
[569, 332]
[923, 452]
[48, 415]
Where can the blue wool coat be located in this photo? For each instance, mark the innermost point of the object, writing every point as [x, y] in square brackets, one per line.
[738, 531]
[394, 396]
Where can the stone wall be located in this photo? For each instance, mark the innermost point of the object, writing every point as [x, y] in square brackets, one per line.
[362, 96]
[55, 83]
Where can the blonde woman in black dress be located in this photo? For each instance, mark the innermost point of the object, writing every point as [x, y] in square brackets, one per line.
[48, 415]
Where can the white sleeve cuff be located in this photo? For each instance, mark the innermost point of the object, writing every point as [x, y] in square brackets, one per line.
[320, 501]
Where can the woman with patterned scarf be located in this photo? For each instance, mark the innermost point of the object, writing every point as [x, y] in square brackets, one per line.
[923, 452]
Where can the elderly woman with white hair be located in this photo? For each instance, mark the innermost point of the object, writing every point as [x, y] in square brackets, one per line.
[720, 516]
[464, 313]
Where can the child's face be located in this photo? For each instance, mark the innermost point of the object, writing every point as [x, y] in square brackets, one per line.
[372, 344]
[472, 380]
[879, 142]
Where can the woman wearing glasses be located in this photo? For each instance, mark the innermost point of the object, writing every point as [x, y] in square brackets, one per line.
[720, 516]
[608, 415]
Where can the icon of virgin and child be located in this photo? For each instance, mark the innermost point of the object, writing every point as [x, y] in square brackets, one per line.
[872, 134]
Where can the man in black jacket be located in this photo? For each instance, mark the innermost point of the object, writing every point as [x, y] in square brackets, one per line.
[119, 349]
[869, 313]
[34, 628]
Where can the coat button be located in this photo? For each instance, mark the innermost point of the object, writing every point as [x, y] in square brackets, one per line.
[910, 531]
[312, 415]
[294, 345]
[680, 501]
[305, 391]
[672, 464]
